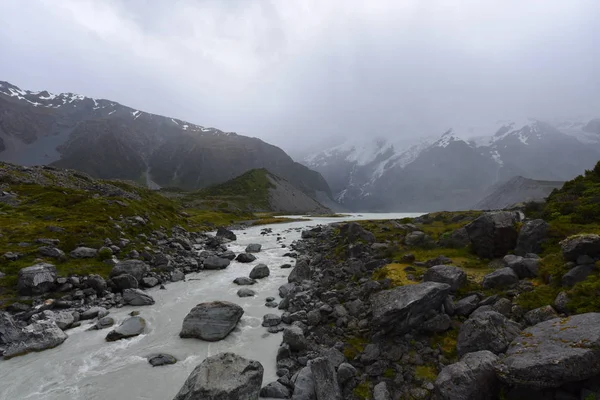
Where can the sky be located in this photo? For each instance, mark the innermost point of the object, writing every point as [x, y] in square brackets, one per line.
[302, 73]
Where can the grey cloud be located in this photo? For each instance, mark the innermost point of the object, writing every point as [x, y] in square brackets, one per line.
[294, 73]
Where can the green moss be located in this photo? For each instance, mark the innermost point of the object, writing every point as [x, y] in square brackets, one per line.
[389, 373]
[540, 296]
[585, 296]
[104, 254]
[426, 373]
[354, 346]
[447, 343]
[363, 391]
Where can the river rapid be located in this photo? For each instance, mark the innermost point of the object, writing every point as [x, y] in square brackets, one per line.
[87, 367]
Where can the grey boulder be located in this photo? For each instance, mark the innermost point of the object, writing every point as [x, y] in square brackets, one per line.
[135, 268]
[325, 378]
[493, 234]
[226, 233]
[486, 330]
[304, 385]
[453, 276]
[275, 390]
[245, 257]
[538, 315]
[244, 281]
[177, 275]
[472, 378]
[83, 252]
[51, 252]
[404, 307]
[132, 326]
[37, 279]
[293, 336]
[522, 267]
[253, 248]
[124, 281]
[211, 321]
[576, 246]
[38, 336]
[259, 272]
[577, 274]
[161, 359]
[531, 237]
[135, 297]
[225, 376]
[214, 262]
[301, 272]
[246, 292]
[501, 278]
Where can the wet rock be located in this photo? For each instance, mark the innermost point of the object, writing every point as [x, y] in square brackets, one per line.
[226, 233]
[576, 246]
[177, 275]
[135, 268]
[243, 281]
[211, 321]
[276, 390]
[136, 297]
[493, 234]
[124, 281]
[259, 272]
[83, 252]
[325, 378]
[149, 281]
[285, 266]
[246, 292]
[93, 312]
[214, 262]
[225, 376]
[97, 283]
[553, 353]
[304, 385]
[132, 326]
[38, 336]
[541, 314]
[399, 309]
[271, 320]
[487, 330]
[103, 323]
[301, 272]
[37, 279]
[230, 255]
[577, 274]
[501, 278]
[472, 378]
[531, 237]
[453, 276]
[245, 257]
[253, 248]
[293, 336]
[63, 319]
[161, 359]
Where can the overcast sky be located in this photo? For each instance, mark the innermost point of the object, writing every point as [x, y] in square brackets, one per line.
[294, 72]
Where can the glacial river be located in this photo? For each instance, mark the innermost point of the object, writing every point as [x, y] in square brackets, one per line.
[87, 367]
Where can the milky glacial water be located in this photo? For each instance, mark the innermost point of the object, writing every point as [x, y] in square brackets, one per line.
[87, 367]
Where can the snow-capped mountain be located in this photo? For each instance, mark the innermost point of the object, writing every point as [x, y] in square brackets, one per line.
[455, 170]
[110, 140]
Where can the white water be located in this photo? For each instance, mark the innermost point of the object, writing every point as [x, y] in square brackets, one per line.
[87, 367]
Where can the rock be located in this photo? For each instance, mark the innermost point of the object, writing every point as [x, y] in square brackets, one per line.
[301, 272]
[541, 314]
[97, 283]
[381, 392]
[501, 278]
[456, 240]
[104, 322]
[285, 266]
[437, 324]
[135, 297]
[9, 331]
[466, 306]
[214, 262]
[531, 237]
[399, 309]
[293, 336]
[418, 239]
[493, 234]
[271, 320]
[286, 289]
[230, 255]
[276, 390]
[561, 302]
[577, 274]
[124, 281]
[246, 292]
[345, 372]
[135, 268]
[211, 321]
[326, 385]
[353, 232]
[177, 275]
[226, 233]
[472, 378]
[253, 248]
[93, 313]
[83, 252]
[304, 385]
[225, 376]
[51, 252]
[487, 330]
[149, 281]
[523, 267]
[576, 246]
[243, 281]
[161, 359]
[37, 279]
[453, 276]
[313, 318]
[63, 319]
[245, 258]
[132, 326]
[259, 272]
[38, 336]
[553, 353]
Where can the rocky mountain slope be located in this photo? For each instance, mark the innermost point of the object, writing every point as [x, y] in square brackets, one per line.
[108, 140]
[516, 190]
[455, 171]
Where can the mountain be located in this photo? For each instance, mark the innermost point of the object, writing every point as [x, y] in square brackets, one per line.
[456, 170]
[108, 140]
[516, 190]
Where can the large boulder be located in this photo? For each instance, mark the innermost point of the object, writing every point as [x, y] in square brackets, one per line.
[580, 245]
[37, 279]
[553, 353]
[244, 281]
[97, 283]
[453, 276]
[214, 262]
[457, 239]
[135, 268]
[523, 267]
[301, 272]
[399, 309]
[577, 274]
[259, 272]
[124, 281]
[131, 327]
[486, 330]
[304, 385]
[531, 237]
[353, 232]
[38, 336]
[63, 319]
[136, 297]
[84, 252]
[293, 336]
[225, 376]
[245, 257]
[472, 378]
[211, 321]
[538, 315]
[226, 233]
[51, 252]
[418, 239]
[501, 278]
[276, 390]
[493, 234]
[253, 248]
[9, 331]
[325, 378]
